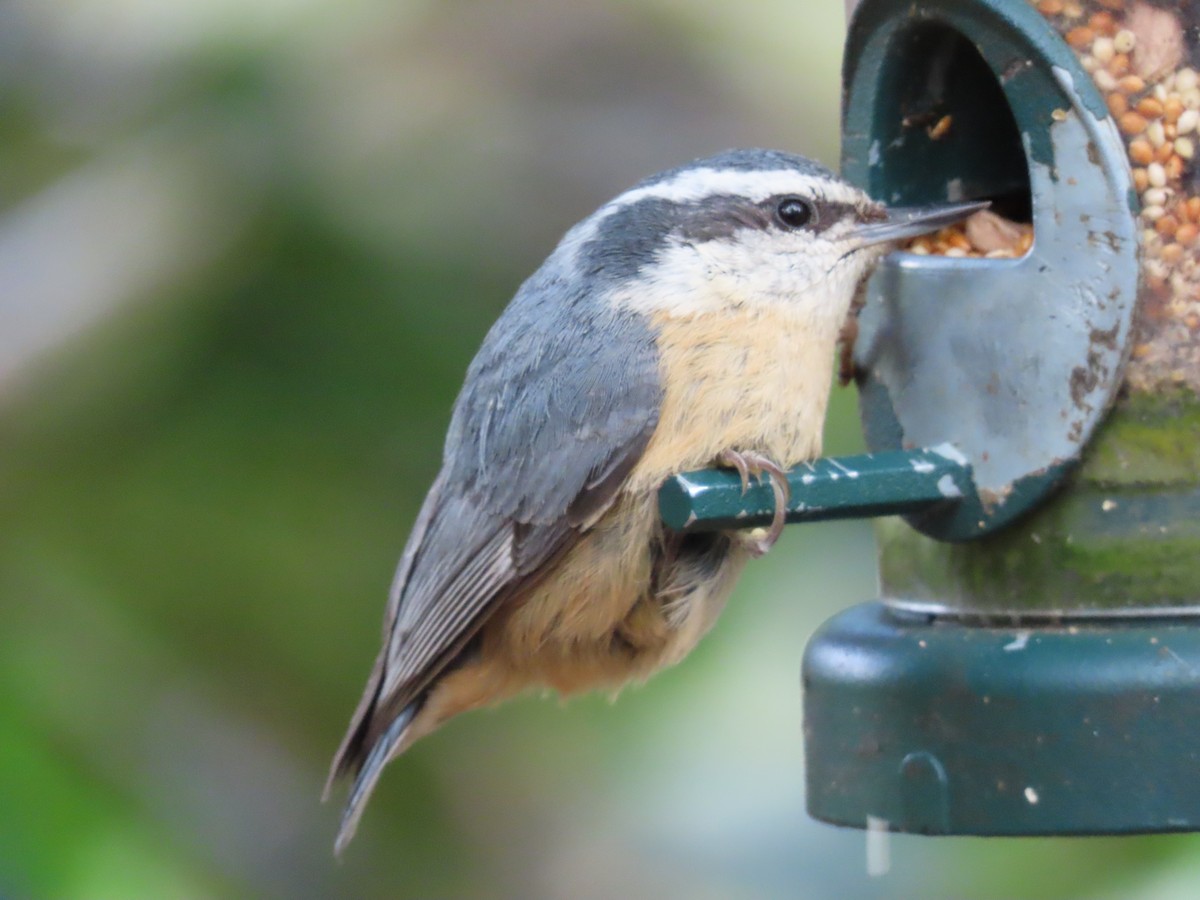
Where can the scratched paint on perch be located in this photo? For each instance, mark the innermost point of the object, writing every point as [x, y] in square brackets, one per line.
[871, 484]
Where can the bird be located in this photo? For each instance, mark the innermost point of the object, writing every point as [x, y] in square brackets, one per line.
[689, 322]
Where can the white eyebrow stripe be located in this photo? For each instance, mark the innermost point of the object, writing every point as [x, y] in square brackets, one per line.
[755, 185]
[695, 184]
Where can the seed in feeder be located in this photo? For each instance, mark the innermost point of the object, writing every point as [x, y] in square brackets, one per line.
[1186, 79]
[1104, 79]
[1117, 104]
[1186, 234]
[1188, 120]
[1156, 197]
[1193, 208]
[988, 232]
[1152, 214]
[1124, 40]
[1185, 148]
[956, 238]
[1131, 123]
[983, 234]
[1103, 50]
[1150, 107]
[1171, 254]
[1050, 7]
[1140, 180]
[1119, 65]
[1131, 84]
[1156, 174]
[1155, 133]
[1174, 168]
[1080, 36]
[1140, 152]
[1166, 225]
[1164, 151]
[1160, 44]
[1172, 108]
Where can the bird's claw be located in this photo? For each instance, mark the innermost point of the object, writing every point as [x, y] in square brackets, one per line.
[738, 461]
[749, 463]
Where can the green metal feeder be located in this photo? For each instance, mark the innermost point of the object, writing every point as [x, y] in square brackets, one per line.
[1034, 664]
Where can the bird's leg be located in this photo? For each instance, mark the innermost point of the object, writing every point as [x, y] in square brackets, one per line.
[749, 463]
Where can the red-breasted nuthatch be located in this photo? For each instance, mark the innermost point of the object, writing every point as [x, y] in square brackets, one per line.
[689, 322]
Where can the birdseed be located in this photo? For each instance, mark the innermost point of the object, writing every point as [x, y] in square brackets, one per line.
[1143, 58]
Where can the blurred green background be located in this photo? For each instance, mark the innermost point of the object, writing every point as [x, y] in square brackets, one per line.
[246, 252]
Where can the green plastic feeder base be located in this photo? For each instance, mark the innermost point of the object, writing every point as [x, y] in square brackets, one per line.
[941, 726]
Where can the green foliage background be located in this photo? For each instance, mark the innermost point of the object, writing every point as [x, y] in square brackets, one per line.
[246, 252]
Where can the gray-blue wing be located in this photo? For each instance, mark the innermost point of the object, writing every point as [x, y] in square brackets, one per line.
[557, 408]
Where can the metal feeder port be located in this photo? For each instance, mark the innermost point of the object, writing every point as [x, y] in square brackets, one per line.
[1034, 665]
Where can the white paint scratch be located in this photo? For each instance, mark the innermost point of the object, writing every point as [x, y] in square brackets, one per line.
[850, 473]
[947, 488]
[879, 850]
[950, 452]
[1020, 642]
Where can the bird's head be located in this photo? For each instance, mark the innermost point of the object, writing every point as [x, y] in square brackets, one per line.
[741, 228]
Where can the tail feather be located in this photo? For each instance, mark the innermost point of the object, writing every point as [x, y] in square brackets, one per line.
[368, 774]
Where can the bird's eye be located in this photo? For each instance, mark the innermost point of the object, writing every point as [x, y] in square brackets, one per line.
[794, 212]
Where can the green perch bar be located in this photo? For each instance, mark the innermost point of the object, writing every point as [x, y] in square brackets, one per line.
[848, 487]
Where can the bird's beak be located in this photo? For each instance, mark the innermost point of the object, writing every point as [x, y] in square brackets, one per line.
[909, 221]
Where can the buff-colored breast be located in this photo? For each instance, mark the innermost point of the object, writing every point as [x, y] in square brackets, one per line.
[750, 378]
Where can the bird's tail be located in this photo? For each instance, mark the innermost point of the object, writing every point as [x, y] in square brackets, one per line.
[368, 774]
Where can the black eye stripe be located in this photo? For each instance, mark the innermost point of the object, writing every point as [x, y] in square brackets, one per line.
[720, 216]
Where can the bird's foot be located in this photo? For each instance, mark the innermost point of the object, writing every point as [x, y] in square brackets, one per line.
[749, 463]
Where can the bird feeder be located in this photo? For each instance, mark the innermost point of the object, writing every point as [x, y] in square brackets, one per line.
[1033, 666]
